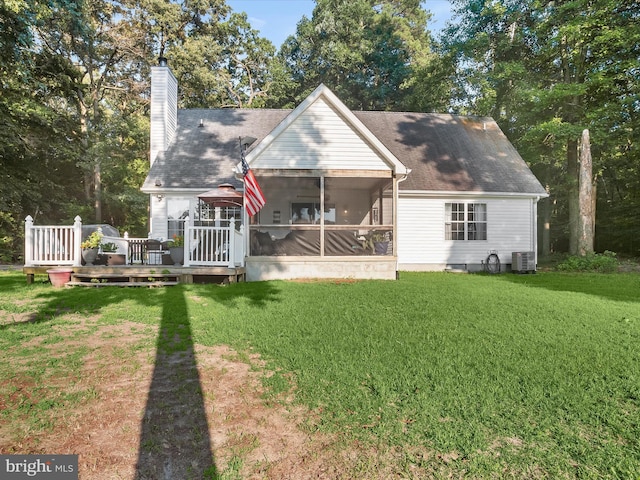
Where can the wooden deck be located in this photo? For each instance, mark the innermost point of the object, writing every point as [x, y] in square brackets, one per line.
[141, 275]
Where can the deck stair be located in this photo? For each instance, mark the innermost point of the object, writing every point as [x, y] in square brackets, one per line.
[142, 275]
[123, 279]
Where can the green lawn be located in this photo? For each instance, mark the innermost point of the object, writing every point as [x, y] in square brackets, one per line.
[485, 376]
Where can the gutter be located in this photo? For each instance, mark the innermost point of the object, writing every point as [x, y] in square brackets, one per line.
[452, 193]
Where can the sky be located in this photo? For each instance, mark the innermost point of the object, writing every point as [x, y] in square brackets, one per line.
[277, 19]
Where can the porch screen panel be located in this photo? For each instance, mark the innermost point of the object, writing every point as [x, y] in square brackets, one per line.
[289, 223]
[343, 214]
[358, 215]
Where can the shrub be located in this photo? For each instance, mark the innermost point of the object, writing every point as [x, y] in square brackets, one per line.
[92, 241]
[606, 262]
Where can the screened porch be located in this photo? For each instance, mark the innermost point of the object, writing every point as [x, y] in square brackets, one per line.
[310, 215]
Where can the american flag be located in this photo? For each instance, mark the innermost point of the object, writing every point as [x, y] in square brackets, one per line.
[253, 196]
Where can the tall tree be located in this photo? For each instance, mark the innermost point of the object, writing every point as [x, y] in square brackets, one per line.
[228, 67]
[218, 59]
[364, 50]
[73, 111]
[219, 62]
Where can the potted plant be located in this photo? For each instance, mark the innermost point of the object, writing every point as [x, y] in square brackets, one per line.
[90, 247]
[380, 243]
[176, 249]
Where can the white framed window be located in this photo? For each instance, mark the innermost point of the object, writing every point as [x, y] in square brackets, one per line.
[465, 221]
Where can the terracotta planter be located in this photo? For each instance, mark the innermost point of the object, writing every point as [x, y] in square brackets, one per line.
[60, 276]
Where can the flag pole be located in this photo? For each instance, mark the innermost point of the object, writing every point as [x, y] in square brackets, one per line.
[254, 199]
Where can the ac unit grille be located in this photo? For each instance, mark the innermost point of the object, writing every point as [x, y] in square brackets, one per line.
[523, 262]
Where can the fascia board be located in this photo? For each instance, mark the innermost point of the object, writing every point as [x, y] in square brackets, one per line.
[452, 194]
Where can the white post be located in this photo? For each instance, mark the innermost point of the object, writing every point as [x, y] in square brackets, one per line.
[232, 241]
[243, 252]
[77, 240]
[187, 243]
[246, 221]
[28, 241]
[126, 254]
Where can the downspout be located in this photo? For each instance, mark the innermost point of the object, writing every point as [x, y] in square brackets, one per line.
[395, 213]
[534, 226]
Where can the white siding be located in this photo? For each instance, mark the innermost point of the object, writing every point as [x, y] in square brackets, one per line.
[421, 234]
[320, 139]
[164, 110]
[158, 217]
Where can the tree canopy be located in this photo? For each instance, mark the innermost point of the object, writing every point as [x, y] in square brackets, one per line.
[365, 51]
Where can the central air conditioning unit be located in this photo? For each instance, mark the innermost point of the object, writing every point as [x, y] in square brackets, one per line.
[523, 262]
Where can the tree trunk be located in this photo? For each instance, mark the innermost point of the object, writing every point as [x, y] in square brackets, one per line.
[585, 198]
[573, 196]
[97, 190]
[97, 167]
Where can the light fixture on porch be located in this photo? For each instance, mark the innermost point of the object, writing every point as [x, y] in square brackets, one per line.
[159, 196]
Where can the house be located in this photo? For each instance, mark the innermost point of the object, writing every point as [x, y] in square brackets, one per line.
[348, 193]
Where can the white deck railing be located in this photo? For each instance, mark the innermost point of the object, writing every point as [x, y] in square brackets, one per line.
[203, 246]
[213, 246]
[52, 244]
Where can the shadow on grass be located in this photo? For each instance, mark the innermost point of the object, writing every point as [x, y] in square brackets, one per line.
[174, 439]
[257, 294]
[174, 435]
[48, 303]
[9, 281]
[620, 287]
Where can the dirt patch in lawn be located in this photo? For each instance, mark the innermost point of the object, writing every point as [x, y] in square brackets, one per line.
[131, 412]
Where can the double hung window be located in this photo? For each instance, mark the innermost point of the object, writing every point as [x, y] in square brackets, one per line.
[465, 221]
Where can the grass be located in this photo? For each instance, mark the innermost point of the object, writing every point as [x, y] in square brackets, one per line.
[461, 375]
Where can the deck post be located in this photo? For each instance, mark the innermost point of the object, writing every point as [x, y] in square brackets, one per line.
[241, 247]
[126, 254]
[232, 243]
[28, 241]
[187, 243]
[77, 241]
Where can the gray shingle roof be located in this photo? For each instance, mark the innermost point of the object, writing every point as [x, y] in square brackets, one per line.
[444, 152]
[204, 157]
[452, 153]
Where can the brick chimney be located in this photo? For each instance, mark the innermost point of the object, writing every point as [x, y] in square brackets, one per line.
[164, 108]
